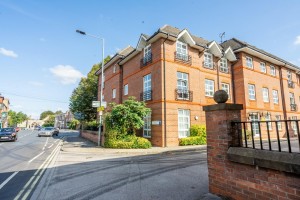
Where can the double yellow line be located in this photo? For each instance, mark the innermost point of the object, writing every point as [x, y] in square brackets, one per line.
[27, 189]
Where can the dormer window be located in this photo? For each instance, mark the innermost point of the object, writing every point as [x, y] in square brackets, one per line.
[147, 53]
[115, 69]
[272, 70]
[181, 51]
[223, 65]
[208, 60]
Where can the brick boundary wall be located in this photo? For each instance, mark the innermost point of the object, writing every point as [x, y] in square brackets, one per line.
[243, 181]
[90, 135]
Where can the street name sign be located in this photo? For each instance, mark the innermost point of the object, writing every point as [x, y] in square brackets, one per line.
[96, 104]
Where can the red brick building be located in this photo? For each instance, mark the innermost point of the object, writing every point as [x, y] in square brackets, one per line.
[177, 73]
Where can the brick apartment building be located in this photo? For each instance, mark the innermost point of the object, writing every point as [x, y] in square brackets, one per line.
[4, 108]
[177, 73]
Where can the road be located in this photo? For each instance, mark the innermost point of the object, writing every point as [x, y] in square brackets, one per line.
[22, 163]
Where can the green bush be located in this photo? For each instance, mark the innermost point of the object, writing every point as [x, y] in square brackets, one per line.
[248, 134]
[128, 142]
[198, 130]
[193, 140]
[92, 125]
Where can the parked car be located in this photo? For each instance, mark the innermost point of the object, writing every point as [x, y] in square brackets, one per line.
[48, 131]
[37, 128]
[8, 134]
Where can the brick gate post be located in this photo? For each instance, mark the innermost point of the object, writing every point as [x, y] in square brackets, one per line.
[219, 138]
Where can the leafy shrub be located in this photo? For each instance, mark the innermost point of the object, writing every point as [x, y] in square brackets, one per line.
[92, 125]
[198, 130]
[73, 124]
[128, 142]
[248, 134]
[193, 140]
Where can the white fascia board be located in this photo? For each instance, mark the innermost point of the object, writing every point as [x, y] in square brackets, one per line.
[142, 43]
[266, 58]
[214, 49]
[187, 36]
[131, 55]
[229, 54]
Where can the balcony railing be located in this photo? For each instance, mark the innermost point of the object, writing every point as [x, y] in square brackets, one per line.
[146, 96]
[180, 57]
[291, 84]
[293, 107]
[183, 95]
[146, 60]
[208, 65]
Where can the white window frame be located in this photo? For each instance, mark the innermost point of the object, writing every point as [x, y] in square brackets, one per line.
[226, 87]
[114, 92]
[289, 75]
[115, 69]
[183, 123]
[147, 126]
[182, 51]
[265, 92]
[209, 87]
[147, 53]
[254, 118]
[126, 89]
[182, 85]
[224, 65]
[272, 70]
[268, 118]
[292, 98]
[147, 86]
[263, 67]
[208, 60]
[275, 96]
[249, 62]
[251, 92]
[279, 124]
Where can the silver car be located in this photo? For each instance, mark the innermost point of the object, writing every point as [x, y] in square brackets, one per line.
[47, 131]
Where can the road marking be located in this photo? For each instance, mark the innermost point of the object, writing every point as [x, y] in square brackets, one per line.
[36, 157]
[45, 144]
[36, 176]
[8, 179]
[50, 146]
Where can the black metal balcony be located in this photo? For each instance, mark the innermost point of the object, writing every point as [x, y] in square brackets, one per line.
[184, 58]
[183, 95]
[293, 107]
[208, 65]
[291, 84]
[146, 96]
[146, 60]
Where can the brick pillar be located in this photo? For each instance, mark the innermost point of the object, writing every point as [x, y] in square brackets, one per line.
[219, 138]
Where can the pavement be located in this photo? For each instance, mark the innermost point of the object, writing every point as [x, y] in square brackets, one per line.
[83, 147]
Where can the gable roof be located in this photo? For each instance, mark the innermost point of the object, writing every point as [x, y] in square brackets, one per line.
[238, 45]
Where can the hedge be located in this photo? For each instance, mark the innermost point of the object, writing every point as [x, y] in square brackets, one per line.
[129, 142]
[194, 140]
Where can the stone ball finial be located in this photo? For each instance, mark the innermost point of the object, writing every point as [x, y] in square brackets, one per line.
[221, 96]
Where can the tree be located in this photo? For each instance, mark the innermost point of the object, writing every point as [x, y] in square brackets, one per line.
[82, 96]
[50, 121]
[45, 114]
[15, 118]
[126, 118]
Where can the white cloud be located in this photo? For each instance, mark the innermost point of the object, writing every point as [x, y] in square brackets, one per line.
[297, 41]
[66, 74]
[36, 83]
[8, 53]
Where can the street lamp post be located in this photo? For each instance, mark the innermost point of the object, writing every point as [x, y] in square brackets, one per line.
[102, 81]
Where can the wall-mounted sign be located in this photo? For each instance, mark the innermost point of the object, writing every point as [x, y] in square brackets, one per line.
[96, 104]
[156, 122]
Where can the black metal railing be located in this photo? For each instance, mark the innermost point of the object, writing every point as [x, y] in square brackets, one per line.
[293, 107]
[281, 135]
[208, 65]
[183, 95]
[180, 57]
[146, 60]
[146, 96]
[291, 84]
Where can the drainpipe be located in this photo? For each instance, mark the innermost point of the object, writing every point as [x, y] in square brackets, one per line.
[121, 84]
[232, 84]
[282, 92]
[165, 103]
[218, 78]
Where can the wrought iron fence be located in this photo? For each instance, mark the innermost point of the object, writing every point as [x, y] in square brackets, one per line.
[284, 136]
[184, 95]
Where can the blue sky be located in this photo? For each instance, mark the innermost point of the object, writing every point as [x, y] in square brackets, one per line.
[42, 58]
